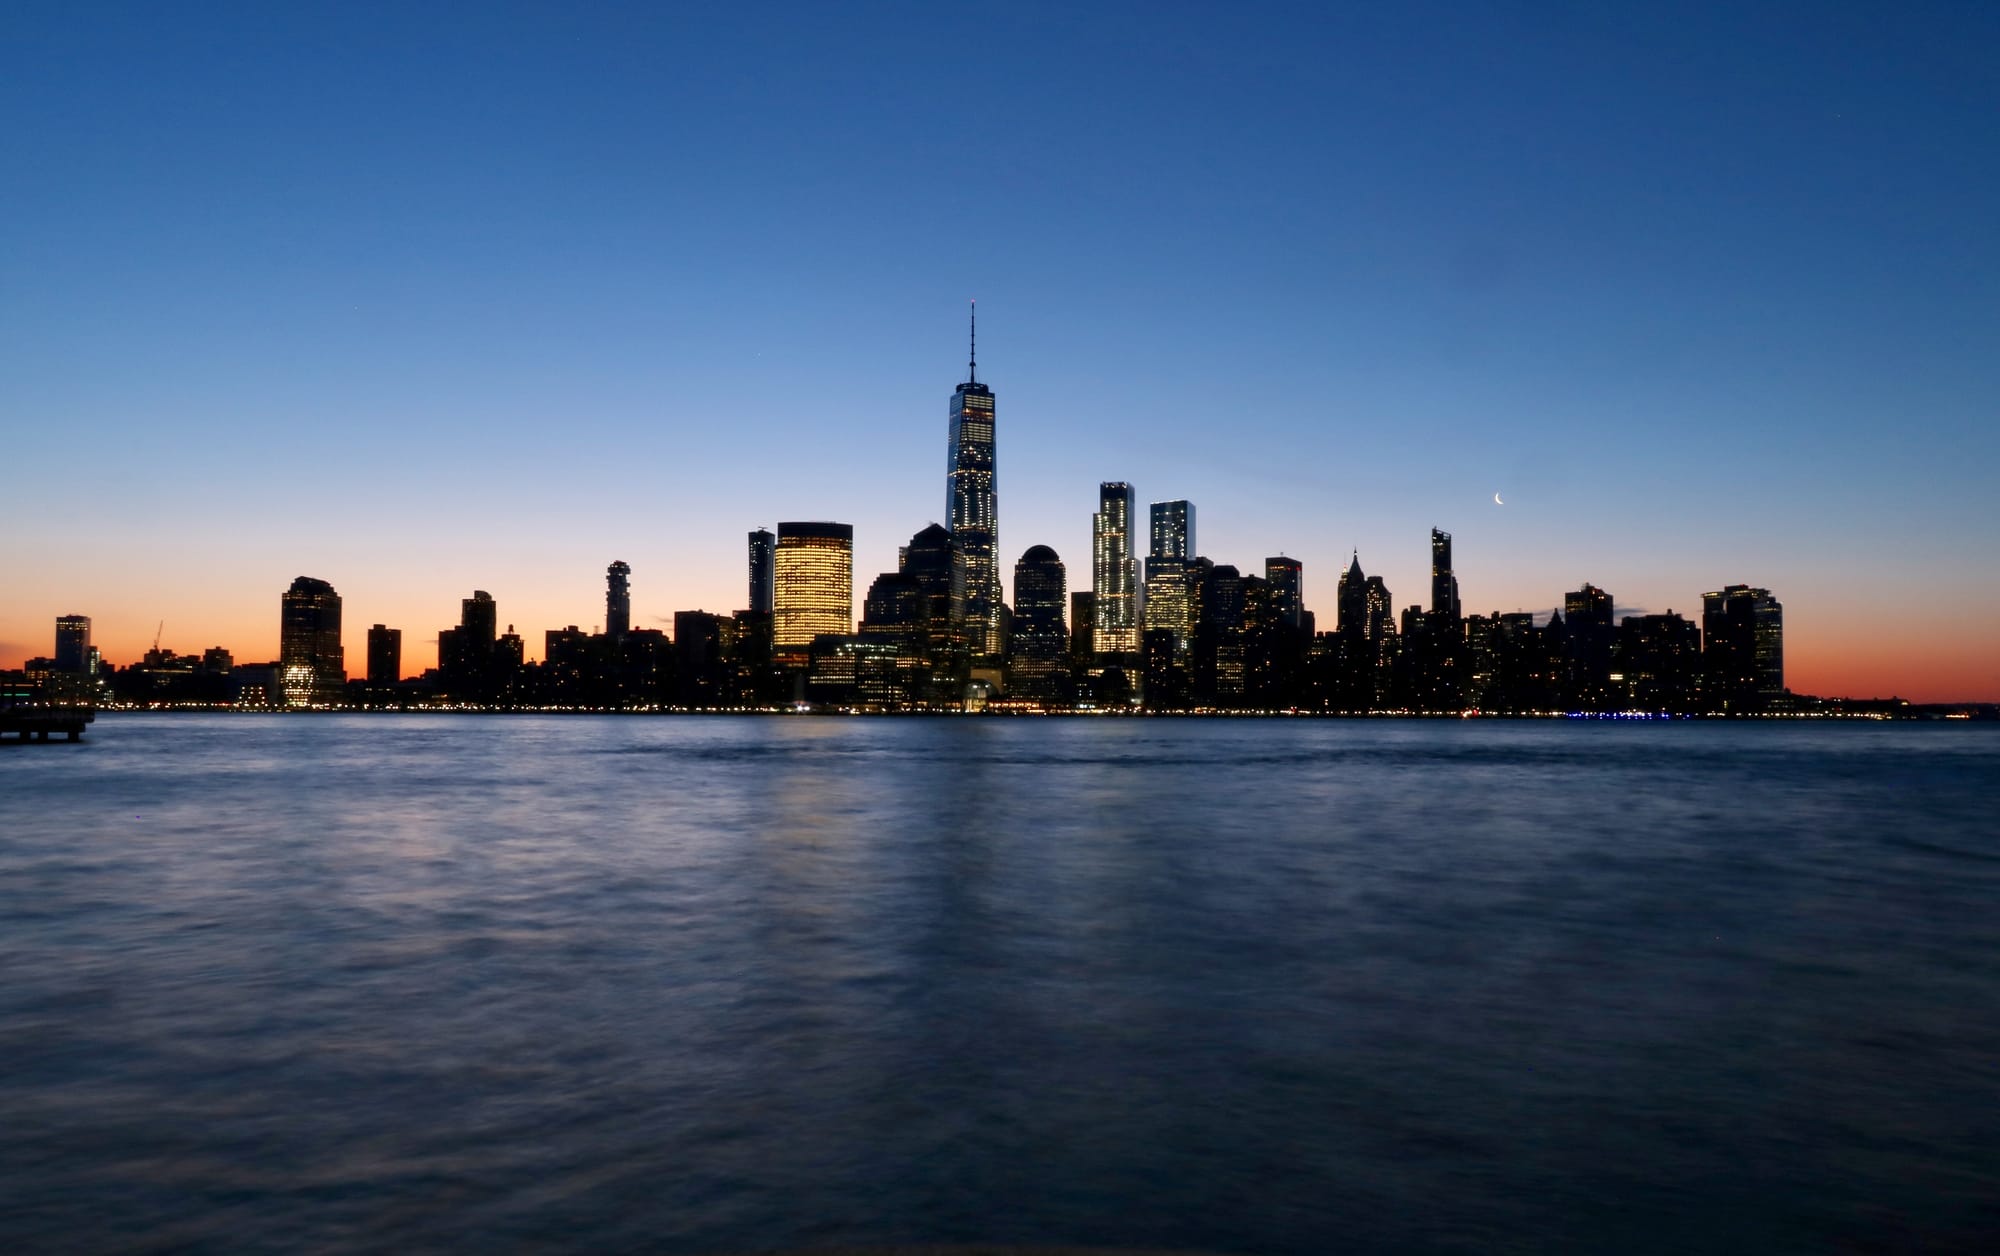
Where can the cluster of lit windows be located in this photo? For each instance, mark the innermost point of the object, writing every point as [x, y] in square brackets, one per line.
[814, 581]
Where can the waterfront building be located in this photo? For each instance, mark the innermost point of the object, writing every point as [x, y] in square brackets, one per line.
[1444, 583]
[1286, 576]
[1114, 572]
[1168, 601]
[312, 666]
[1656, 663]
[1742, 650]
[972, 503]
[812, 584]
[1040, 637]
[762, 571]
[1217, 648]
[385, 655]
[617, 601]
[1352, 600]
[73, 652]
[1588, 639]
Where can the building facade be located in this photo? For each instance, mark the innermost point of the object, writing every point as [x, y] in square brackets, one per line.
[1742, 650]
[972, 504]
[1041, 637]
[311, 665]
[1444, 582]
[617, 601]
[385, 655]
[762, 571]
[1114, 574]
[73, 643]
[812, 583]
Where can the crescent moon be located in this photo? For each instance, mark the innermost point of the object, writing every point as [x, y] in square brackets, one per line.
[1497, 501]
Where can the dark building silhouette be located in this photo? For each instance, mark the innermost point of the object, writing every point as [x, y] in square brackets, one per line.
[1656, 664]
[1742, 651]
[385, 655]
[1352, 600]
[466, 669]
[1444, 583]
[972, 502]
[1286, 576]
[73, 644]
[763, 571]
[1588, 639]
[1216, 652]
[706, 670]
[617, 601]
[1040, 635]
[311, 663]
[1082, 627]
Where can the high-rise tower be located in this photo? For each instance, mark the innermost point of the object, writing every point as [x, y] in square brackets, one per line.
[1114, 573]
[813, 583]
[617, 601]
[761, 569]
[1041, 639]
[311, 665]
[1286, 578]
[1169, 583]
[73, 643]
[1742, 649]
[1444, 585]
[972, 502]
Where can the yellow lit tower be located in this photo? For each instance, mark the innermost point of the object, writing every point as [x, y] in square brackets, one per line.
[813, 584]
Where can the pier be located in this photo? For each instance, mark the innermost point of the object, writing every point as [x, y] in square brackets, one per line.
[39, 722]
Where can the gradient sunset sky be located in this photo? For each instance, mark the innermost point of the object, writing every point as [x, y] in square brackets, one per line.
[419, 299]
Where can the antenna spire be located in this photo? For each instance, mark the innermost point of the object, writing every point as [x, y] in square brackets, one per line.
[972, 367]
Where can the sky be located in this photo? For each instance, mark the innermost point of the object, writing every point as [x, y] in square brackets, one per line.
[423, 298]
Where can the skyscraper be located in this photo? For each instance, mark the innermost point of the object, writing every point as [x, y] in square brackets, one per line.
[478, 622]
[1041, 639]
[1114, 575]
[311, 665]
[812, 584]
[1353, 600]
[1286, 576]
[1173, 531]
[1444, 585]
[761, 571]
[73, 643]
[617, 602]
[972, 502]
[385, 655]
[1168, 593]
[1742, 649]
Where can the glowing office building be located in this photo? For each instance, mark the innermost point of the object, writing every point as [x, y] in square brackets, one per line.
[1114, 572]
[812, 583]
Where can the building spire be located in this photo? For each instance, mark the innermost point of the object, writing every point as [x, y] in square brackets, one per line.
[972, 367]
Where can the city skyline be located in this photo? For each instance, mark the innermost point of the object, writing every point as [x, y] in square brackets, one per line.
[555, 293]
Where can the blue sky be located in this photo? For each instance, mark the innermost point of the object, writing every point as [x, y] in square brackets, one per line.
[426, 298]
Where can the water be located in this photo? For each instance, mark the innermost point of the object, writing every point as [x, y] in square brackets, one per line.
[322, 984]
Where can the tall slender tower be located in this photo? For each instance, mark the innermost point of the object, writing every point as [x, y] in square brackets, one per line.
[617, 601]
[972, 502]
[1444, 585]
[762, 573]
[1114, 572]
